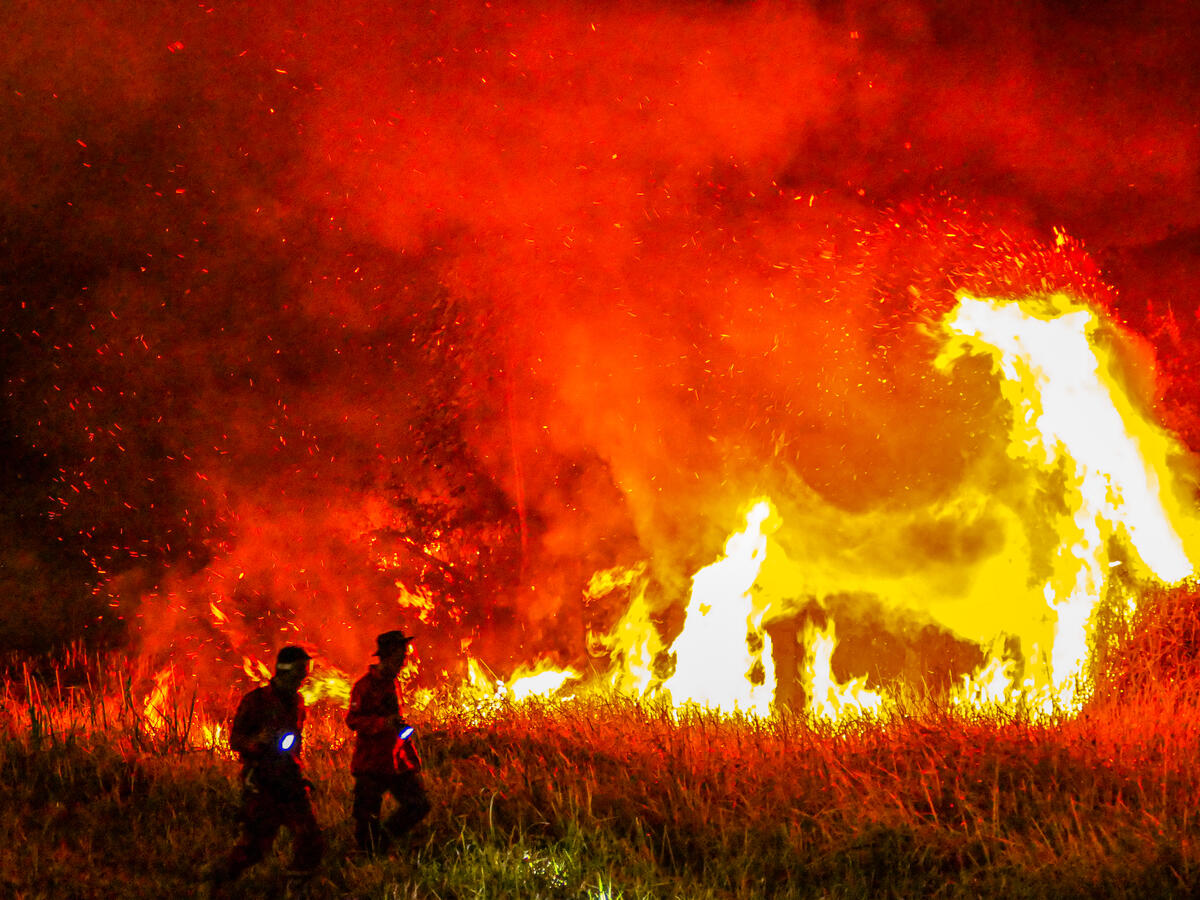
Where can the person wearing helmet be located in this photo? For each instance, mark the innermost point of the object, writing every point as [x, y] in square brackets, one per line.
[385, 758]
[267, 735]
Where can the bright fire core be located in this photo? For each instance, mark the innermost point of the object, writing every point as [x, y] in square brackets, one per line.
[1076, 504]
[1082, 507]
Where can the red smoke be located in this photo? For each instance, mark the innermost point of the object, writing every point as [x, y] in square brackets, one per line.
[586, 278]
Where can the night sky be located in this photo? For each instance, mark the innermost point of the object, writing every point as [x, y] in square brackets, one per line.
[302, 300]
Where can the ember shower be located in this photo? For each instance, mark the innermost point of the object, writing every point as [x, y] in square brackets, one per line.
[324, 317]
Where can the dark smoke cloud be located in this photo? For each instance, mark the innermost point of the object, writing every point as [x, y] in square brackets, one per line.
[605, 272]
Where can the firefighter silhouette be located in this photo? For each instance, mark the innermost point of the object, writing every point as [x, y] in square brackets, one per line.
[267, 734]
[385, 757]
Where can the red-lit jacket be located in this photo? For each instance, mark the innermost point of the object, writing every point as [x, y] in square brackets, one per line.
[263, 719]
[374, 711]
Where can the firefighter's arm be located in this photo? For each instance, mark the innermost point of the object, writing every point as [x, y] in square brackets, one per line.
[361, 719]
[406, 755]
[248, 734]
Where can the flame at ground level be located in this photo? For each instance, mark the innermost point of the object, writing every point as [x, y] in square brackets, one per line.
[1075, 506]
[989, 593]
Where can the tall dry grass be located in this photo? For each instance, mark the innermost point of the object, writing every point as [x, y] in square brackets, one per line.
[602, 797]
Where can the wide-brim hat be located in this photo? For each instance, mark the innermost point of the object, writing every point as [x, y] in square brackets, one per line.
[391, 641]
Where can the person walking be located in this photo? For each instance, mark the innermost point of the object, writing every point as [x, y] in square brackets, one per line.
[268, 736]
[385, 757]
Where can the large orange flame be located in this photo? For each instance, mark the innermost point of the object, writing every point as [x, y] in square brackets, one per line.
[1077, 506]
[1084, 486]
[1074, 417]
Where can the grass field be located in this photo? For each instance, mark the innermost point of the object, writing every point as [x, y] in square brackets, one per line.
[607, 798]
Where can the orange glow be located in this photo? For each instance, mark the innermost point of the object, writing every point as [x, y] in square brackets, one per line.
[486, 322]
[1071, 503]
[1083, 486]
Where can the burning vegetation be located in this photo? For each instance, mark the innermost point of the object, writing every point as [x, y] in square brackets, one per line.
[790, 377]
[990, 587]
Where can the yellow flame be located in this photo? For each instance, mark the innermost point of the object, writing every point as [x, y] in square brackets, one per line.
[328, 685]
[1074, 416]
[323, 684]
[539, 684]
[165, 713]
[828, 698]
[479, 679]
[256, 670]
[723, 656]
[991, 686]
[1013, 559]
[153, 709]
[541, 680]
[633, 644]
[215, 737]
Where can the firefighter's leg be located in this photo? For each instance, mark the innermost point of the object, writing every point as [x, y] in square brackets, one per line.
[368, 801]
[308, 842]
[261, 819]
[412, 803]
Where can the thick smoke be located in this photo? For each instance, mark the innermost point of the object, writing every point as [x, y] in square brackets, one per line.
[315, 307]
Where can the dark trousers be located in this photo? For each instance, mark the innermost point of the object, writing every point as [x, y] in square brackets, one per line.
[263, 814]
[412, 806]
